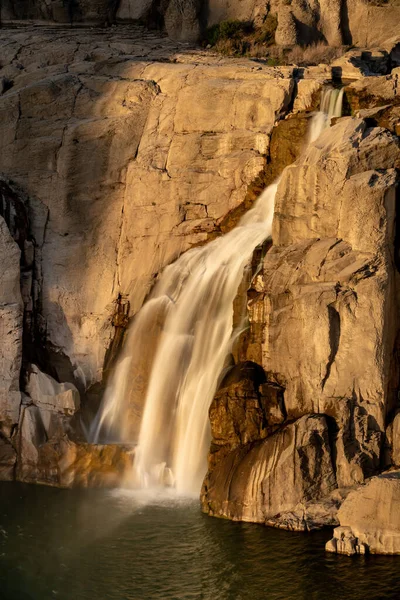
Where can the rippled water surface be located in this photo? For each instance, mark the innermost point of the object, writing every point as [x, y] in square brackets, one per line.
[95, 545]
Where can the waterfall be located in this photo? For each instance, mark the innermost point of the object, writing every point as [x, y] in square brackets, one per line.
[331, 106]
[178, 343]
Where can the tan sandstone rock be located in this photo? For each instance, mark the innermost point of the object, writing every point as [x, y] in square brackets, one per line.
[370, 518]
[260, 481]
[330, 271]
[128, 164]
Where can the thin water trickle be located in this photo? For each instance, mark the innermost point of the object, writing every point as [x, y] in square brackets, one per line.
[187, 323]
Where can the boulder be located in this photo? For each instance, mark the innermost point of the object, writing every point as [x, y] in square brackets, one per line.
[370, 518]
[345, 542]
[263, 480]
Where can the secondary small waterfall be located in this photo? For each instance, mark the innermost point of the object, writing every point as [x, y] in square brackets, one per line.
[188, 322]
[331, 106]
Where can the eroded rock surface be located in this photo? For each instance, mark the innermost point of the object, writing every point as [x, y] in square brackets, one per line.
[261, 480]
[128, 164]
[138, 148]
[135, 148]
[323, 308]
[369, 518]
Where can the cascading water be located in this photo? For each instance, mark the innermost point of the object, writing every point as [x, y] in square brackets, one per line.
[189, 320]
[331, 106]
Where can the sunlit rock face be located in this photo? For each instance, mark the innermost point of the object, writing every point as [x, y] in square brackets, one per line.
[323, 323]
[127, 164]
[126, 153]
[11, 311]
[369, 518]
[262, 479]
[121, 165]
[336, 22]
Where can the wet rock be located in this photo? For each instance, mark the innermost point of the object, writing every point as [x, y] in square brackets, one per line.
[344, 542]
[245, 409]
[369, 518]
[11, 321]
[46, 454]
[262, 480]
[311, 516]
[8, 459]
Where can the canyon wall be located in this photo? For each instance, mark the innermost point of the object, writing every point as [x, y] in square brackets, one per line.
[323, 318]
[115, 167]
[357, 22]
[119, 153]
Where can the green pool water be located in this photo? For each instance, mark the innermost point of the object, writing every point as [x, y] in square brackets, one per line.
[101, 545]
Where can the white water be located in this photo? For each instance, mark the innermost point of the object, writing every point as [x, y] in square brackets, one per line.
[188, 322]
[331, 107]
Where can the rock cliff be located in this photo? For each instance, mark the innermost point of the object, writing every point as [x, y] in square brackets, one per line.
[322, 309]
[117, 157]
[358, 22]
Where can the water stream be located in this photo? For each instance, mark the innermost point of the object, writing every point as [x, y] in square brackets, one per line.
[178, 343]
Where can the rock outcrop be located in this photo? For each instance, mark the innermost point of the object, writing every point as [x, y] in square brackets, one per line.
[322, 309]
[126, 164]
[11, 322]
[261, 480]
[60, 11]
[359, 22]
[369, 518]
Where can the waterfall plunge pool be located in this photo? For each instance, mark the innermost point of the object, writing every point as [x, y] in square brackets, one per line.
[117, 545]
